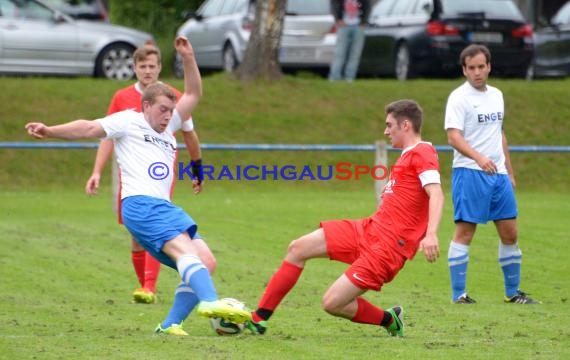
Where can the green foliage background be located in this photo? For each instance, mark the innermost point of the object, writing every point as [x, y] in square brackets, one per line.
[143, 15]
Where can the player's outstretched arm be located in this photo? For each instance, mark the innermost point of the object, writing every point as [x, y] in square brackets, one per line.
[192, 80]
[78, 129]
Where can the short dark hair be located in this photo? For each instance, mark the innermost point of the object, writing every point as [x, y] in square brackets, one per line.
[406, 110]
[155, 90]
[473, 50]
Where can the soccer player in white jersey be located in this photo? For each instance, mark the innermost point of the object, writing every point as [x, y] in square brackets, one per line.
[146, 149]
[482, 178]
[147, 66]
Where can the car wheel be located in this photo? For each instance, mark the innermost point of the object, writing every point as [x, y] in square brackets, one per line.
[115, 61]
[402, 63]
[229, 59]
[178, 67]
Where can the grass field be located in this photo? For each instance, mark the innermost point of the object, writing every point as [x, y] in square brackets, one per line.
[66, 280]
[65, 270]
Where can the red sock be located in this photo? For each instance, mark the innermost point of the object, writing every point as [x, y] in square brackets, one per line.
[151, 270]
[367, 313]
[280, 284]
[138, 258]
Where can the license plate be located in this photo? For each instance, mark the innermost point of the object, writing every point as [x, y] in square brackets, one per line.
[297, 54]
[486, 37]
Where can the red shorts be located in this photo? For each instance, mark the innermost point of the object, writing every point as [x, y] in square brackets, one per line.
[373, 262]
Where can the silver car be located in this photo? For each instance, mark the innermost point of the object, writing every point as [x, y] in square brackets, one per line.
[36, 39]
[219, 31]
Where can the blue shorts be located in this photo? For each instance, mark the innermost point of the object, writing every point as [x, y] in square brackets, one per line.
[153, 222]
[479, 197]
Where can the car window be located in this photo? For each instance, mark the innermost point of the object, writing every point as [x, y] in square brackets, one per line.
[382, 9]
[62, 3]
[211, 8]
[503, 8]
[228, 7]
[250, 8]
[8, 9]
[423, 7]
[24, 9]
[304, 7]
[563, 15]
[402, 7]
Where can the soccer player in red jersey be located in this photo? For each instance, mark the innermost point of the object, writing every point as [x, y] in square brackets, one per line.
[147, 66]
[375, 247]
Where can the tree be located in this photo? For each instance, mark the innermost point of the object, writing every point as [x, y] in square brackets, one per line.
[261, 55]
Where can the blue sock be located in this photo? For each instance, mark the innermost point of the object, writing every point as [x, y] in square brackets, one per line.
[510, 257]
[184, 302]
[457, 259]
[194, 274]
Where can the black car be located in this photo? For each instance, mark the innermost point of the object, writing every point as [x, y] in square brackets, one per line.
[552, 46]
[409, 38]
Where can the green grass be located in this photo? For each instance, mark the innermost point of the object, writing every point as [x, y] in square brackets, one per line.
[67, 279]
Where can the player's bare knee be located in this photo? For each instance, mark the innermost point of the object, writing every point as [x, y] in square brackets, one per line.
[509, 239]
[135, 246]
[295, 249]
[509, 236]
[210, 264]
[330, 306]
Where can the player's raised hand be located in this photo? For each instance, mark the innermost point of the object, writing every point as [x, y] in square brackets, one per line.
[183, 46]
[192, 80]
[37, 130]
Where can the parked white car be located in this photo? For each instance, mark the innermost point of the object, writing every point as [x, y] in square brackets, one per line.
[219, 31]
[36, 39]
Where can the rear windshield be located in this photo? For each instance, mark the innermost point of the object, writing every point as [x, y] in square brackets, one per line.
[308, 7]
[494, 8]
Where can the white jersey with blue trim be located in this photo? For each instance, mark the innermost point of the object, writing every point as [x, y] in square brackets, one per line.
[146, 158]
[479, 115]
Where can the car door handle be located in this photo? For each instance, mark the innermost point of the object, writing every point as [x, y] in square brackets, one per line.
[10, 27]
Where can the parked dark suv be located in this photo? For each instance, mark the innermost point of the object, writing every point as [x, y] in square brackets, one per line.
[409, 38]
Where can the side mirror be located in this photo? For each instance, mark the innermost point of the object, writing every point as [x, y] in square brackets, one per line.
[191, 14]
[59, 17]
[427, 7]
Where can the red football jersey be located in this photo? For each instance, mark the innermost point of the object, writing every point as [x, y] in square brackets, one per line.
[402, 217]
[129, 98]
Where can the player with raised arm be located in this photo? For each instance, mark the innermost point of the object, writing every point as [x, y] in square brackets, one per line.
[147, 67]
[145, 148]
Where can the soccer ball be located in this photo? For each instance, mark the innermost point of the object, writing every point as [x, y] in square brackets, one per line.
[224, 327]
